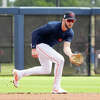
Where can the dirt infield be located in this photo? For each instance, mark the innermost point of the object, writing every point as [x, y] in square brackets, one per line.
[69, 96]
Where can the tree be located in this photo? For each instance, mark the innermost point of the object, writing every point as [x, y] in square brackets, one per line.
[75, 3]
[97, 3]
[33, 3]
[0, 2]
[52, 3]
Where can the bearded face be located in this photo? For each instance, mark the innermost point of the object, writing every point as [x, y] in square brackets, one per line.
[69, 23]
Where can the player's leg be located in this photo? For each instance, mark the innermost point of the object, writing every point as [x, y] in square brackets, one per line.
[45, 68]
[59, 63]
[49, 54]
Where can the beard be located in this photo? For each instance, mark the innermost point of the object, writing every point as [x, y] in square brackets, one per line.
[66, 26]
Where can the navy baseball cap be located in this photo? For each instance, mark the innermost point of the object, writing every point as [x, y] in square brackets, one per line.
[69, 15]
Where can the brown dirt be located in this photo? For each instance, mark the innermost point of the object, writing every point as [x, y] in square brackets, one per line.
[69, 96]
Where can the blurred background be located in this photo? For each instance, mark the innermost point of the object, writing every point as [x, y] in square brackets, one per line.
[50, 3]
[81, 42]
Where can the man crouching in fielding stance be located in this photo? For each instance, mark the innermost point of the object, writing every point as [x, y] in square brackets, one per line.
[43, 39]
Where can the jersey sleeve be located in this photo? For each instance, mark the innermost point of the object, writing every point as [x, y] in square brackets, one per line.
[69, 37]
[38, 33]
[34, 38]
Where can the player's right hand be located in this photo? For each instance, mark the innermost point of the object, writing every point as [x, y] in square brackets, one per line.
[34, 53]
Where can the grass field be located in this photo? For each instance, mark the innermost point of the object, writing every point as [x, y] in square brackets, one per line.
[43, 84]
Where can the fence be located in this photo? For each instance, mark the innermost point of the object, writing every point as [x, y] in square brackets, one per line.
[24, 20]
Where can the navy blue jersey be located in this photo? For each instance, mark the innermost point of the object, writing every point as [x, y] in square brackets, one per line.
[51, 34]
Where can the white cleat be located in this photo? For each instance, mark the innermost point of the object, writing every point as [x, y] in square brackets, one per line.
[59, 91]
[15, 80]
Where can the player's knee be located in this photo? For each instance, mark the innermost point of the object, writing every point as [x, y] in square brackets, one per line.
[47, 70]
[61, 59]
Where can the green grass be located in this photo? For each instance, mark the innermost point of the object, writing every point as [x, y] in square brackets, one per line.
[43, 84]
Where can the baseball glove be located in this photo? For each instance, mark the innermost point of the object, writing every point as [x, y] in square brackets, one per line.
[77, 59]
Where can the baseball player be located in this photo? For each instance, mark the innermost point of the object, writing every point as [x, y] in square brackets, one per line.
[43, 40]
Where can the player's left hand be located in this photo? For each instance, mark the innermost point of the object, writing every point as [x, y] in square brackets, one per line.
[77, 59]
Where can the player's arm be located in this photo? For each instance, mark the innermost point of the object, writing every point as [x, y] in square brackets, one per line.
[36, 35]
[34, 42]
[39, 32]
[76, 59]
[67, 49]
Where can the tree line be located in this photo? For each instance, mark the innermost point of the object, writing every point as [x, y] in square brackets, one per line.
[62, 3]
[54, 3]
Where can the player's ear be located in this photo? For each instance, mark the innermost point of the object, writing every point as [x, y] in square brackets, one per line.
[62, 19]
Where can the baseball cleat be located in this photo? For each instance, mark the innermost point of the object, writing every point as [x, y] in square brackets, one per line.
[15, 80]
[59, 91]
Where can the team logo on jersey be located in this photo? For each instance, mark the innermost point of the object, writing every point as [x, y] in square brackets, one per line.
[60, 39]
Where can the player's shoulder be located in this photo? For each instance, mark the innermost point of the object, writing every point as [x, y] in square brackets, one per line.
[71, 30]
[53, 23]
